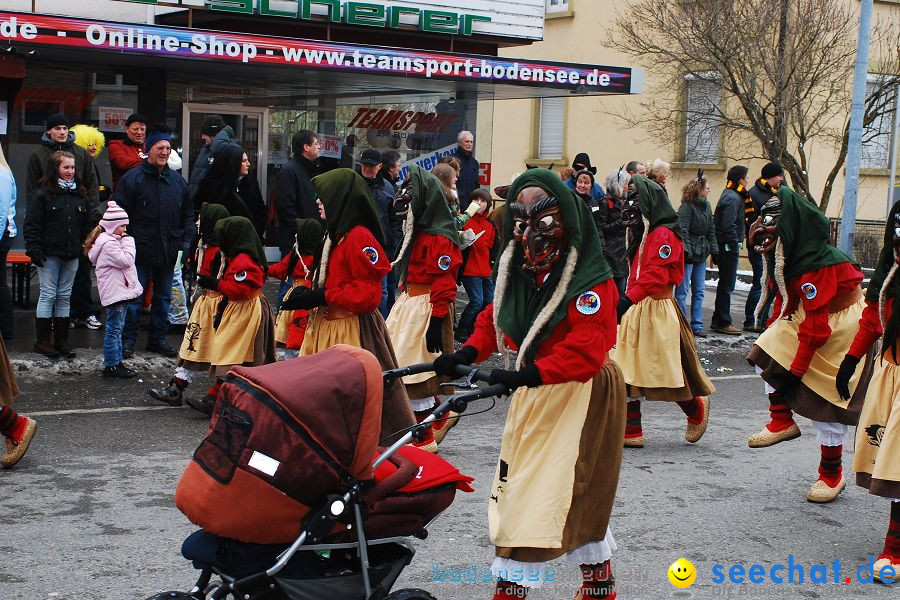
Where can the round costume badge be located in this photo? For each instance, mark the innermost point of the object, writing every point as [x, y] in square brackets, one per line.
[588, 303]
[371, 253]
[809, 290]
[240, 276]
[665, 251]
[444, 262]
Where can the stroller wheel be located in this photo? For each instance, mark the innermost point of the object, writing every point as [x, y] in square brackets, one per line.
[410, 594]
[172, 596]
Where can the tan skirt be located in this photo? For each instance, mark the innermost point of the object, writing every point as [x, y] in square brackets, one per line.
[367, 331]
[559, 467]
[284, 318]
[9, 388]
[246, 338]
[407, 325]
[197, 343]
[655, 349]
[816, 398]
[877, 459]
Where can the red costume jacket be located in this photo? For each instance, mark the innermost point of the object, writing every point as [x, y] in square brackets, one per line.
[123, 156]
[356, 267]
[870, 328]
[479, 262]
[300, 318]
[435, 260]
[243, 278]
[662, 265]
[578, 346]
[816, 290]
[209, 264]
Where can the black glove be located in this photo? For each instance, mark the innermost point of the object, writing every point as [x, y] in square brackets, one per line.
[220, 310]
[37, 261]
[445, 363]
[434, 338]
[844, 374]
[528, 376]
[624, 304]
[304, 299]
[790, 382]
[206, 282]
[715, 258]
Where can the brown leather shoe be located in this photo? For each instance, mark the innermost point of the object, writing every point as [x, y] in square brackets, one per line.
[766, 438]
[729, 330]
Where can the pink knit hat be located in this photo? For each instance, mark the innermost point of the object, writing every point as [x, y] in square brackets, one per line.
[114, 216]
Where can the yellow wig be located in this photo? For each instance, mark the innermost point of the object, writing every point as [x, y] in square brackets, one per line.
[87, 134]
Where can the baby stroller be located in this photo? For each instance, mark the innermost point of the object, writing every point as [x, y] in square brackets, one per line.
[291, 503]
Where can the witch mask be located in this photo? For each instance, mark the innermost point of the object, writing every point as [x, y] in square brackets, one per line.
[538, 226]
[764, 231]
[403, 199]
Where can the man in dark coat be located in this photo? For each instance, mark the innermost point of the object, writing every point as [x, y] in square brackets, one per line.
[294, 192]
[469, 173]
[383, 195]
[161, 218]
[766, 187]
[216, 135]
[729, 223]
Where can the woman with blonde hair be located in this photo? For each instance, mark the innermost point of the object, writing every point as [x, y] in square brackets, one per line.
[659, 173]
[699, 237]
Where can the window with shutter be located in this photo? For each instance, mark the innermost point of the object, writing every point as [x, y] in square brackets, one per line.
[876, 137]
[702, 119]
[550, 128]
[556, 5]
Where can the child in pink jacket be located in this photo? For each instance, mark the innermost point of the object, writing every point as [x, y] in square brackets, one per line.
[112, 252]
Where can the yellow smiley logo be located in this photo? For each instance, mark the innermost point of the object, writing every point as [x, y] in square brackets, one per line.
[682, 573]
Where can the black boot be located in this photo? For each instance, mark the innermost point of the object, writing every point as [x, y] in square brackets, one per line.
[171, 394]
[43, 330]
[61, 337]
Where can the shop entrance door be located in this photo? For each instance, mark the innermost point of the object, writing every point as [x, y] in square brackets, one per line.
[251, 131]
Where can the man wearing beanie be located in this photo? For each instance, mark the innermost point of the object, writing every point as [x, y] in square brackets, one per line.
[766, 187]
[126, 154]
[216, 135]
[729, 222]
[162, 223]
[582, 162]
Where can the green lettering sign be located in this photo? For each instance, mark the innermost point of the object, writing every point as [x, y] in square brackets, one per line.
[264, 9]
[236, 6]
[439, 21]
[394, 12]
[334, 9]
[364, 13]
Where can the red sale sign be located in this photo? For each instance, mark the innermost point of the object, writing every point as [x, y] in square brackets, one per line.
[113, 119]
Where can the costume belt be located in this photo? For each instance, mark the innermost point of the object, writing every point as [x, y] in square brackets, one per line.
[333, 313]
[839, 303]
[418, 289]
[664, 294]
[212, 293]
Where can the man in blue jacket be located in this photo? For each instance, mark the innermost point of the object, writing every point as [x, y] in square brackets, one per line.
[469, 178]
[729, 223]
[161, 217]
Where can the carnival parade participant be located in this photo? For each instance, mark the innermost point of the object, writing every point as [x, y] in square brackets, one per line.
[561, 450]
[290, 325]
[421, 321]
[343, 302]
[17, 430]
[877, 458]
[195, 353]
[818, 303]
[654, 366]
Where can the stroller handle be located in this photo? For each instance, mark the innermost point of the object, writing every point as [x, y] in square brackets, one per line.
[473, 373]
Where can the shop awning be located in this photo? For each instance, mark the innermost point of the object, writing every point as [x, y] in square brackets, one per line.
[323, 65]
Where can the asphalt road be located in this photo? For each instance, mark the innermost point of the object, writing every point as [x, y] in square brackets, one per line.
[89, 513]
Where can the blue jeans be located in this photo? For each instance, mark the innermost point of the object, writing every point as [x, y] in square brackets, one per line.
[695, 278]
[56, 278]
[753, 297]
[112, 339]
[481, 293]
[159, 305]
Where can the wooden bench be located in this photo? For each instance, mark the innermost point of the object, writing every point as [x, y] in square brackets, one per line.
[21, 278]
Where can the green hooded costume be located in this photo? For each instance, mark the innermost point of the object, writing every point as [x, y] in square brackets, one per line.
[210, 214]
[655, 206]
[524, 300]
[309, 236]
[804, 234]
[237, 235]
[430, 211]
[348, 203]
